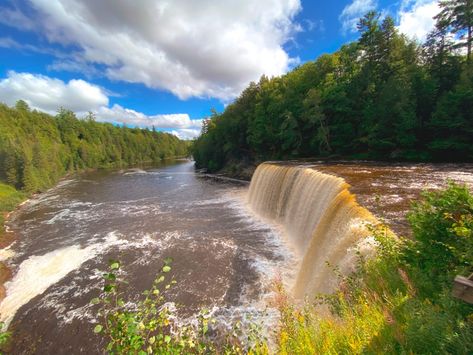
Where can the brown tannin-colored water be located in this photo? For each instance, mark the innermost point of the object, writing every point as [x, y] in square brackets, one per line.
[388, 190]
[67, 235]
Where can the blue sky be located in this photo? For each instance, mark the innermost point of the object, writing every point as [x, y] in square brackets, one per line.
[167, 63]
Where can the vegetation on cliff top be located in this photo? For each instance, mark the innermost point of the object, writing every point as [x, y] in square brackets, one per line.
[382, 97]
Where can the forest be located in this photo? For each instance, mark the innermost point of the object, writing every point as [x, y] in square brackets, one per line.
[36, 149]
[383, 97]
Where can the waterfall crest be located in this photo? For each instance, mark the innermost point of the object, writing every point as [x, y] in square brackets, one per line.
[321, 217]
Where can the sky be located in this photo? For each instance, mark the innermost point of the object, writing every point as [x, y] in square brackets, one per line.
[167, 63]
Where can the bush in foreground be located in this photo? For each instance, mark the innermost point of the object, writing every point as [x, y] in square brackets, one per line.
[150, 327]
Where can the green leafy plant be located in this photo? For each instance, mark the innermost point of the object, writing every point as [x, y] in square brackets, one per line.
[4, 337]
[442, 224]
[150, 326]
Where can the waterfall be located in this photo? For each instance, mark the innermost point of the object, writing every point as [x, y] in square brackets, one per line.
[320, 216]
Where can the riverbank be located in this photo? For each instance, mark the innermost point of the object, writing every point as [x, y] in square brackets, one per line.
[238, 170]
[10, 198]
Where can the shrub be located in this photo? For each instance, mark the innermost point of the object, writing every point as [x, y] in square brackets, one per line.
[442, 225]
[9, 199]
[150, 326]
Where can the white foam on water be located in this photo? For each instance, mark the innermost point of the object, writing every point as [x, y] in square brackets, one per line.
[39, 272]
[63, 183]
[223, 199]
[77, 204]
[274, 237]
[280, 267]
[63, 214]
[56, 300]
[7, 253]
[135, 171]
[224, 318]
[461, 175]
[171, 173]
[85, 212]
[78, 313]
[50, 195]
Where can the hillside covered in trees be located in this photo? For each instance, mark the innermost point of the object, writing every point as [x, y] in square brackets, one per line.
[382, 97]
[36, 149]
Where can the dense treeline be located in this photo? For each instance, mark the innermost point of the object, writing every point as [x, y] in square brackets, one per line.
[36, 149]
[382, 97]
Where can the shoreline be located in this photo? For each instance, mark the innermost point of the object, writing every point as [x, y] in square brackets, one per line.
[7, 238]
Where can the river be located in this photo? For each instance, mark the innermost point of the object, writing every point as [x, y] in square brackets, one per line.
[225, 257]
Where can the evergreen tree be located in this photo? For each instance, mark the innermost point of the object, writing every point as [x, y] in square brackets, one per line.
[457, 15]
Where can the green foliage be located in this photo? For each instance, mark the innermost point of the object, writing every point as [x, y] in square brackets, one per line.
[37, 149]
[457, 15]
[453, 123]
[4, 337]
[150, 326]
[9, 199]
[442, 223]
[381, 97]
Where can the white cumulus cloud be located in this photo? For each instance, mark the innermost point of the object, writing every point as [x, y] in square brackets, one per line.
[352, 13]
[48, 94]
[119, 114]
[416, 17]
[186, 133]
[205, 48]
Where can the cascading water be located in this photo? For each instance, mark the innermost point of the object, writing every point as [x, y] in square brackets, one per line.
[321, 217]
